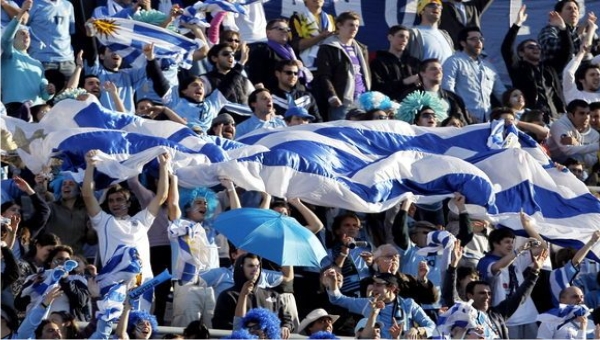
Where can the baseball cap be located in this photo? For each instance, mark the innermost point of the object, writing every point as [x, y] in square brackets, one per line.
[298, 112]
[363, 322]
[390, 279]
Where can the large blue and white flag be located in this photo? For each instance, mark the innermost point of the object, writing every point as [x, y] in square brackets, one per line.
[127, 37]
[122, 267]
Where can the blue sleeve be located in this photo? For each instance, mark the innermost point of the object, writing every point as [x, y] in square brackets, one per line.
[483, 265]
[32, 321]
[354, 305]
[272, 278]
[72, 20]
[420, 318]
[211, 277]
[103, 330]
[560, 279]
[8, 37]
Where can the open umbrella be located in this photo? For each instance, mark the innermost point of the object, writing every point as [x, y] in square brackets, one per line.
[274, 236]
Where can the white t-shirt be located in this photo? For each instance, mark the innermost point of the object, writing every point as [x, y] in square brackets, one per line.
[253, 25]
[129, 231]
[571, 330]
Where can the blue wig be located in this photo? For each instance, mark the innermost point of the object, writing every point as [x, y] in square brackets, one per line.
[136, 316]
[268, 321]
[240, 334]
[57, 182]
[187, 197]
[323, 335]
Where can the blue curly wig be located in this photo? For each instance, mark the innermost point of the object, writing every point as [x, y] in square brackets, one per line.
[187, 197]
[240, 334]
[136, 316]
[57, 182]
[323, 335]
[268, 321]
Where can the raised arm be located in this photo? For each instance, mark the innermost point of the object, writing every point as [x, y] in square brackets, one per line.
[234, 200]
[465, 229]
[41, 210]
[121, 331]
[113, 92]
[582, 253]
[74, 79]
[266, 200]
[531, 231]
[449, 291]
[400, 227]
[173, 209]
[314, 224]
[164, 163]
[87, 189]
[509, 39]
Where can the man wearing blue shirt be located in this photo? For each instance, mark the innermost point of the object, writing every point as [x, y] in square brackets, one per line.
[261, 103]
[405, 312]
[471, 77]
[52, 23]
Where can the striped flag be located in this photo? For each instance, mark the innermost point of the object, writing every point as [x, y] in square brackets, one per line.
[127, 37]
[122, 267]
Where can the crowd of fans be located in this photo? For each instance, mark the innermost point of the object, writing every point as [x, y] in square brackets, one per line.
[382, 276]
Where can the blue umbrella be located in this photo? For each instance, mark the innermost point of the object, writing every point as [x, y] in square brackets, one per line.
[274, 236]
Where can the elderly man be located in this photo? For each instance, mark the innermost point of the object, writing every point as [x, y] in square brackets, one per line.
[317, 321]
[569, 320]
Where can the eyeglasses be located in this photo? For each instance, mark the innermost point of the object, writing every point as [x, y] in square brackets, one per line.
[290, 73]
[579, 171]
[282, 29]
[482, 39]
[233, 40]
[254, 327]
[226, 54]
[533, 47]
[60, 260]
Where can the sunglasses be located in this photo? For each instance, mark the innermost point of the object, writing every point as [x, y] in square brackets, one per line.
[226, 54]
[290, 73]
[282, 29]
[232, 40]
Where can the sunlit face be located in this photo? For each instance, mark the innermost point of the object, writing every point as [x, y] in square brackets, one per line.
[455, 122]
[580, 118]
[69, 189]
[51, 331]
[591, 82]
[295, 120]
[433, 73]
[481, 297]
[251, 269]
[399, 40]
[314, 5]
[427, 118]
[263, 104]
[143, 329]
[197, 210]
[287, 77]
[59, 259]
[350, 227]
[388, 261]
[532, 51]
[233, 40]
[118, 205]
[111, 60]
[224, 59]
[572, 296]
[383, 289]
[57, 319]
[280, 33]
[92, 85]
[323, 324]
[505, 246]
[473, 44]
[570, 13]
[517, 100]
[22, 40]
[432, 12]
[194, 91]
[419, 236]
[348, 29]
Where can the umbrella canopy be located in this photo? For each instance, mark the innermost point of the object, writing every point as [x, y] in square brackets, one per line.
[274, 236]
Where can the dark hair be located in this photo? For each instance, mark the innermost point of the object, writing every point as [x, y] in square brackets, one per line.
[274, 22]
[40, 328]
[506, 95]
[73, 329]
[42, 240]
[370, 114]
[283, 63]
[56, 250]
[465, 271]
[594, 106]
[563, 256]
[397, 28]
[521, 45]
[464, 34]
[226, 34]
[582, 71]
[35, 110]
[196, 330]
[420, 111]
[497, 235]
[531, 116]
[185, 82]
[253, 96]
[345, 16]
[337, 221]
[446, 121]
[572, 161]
[214, 51]
[471, 286]
[7, 205]
[499, 111]
[278, 203]
[558, 7]
[116, 189]
[425, 63]
[575, 104]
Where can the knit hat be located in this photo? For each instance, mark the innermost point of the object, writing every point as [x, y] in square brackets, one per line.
[422, 3]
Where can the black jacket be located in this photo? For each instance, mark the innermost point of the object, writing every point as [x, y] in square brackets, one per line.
[232, 85]
[525, 75]
[389, 71]
[301, 98]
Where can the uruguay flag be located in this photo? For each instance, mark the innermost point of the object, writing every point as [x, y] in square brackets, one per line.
[127, 38]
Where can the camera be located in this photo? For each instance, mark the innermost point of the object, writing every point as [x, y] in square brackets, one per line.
[534, 243]
[353, 244]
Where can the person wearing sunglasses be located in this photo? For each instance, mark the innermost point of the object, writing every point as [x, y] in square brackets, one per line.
[290, 94]
[226, 75]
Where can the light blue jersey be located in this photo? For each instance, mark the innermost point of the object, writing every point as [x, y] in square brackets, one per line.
[52, 23]
[199, 115]
[126, 81]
